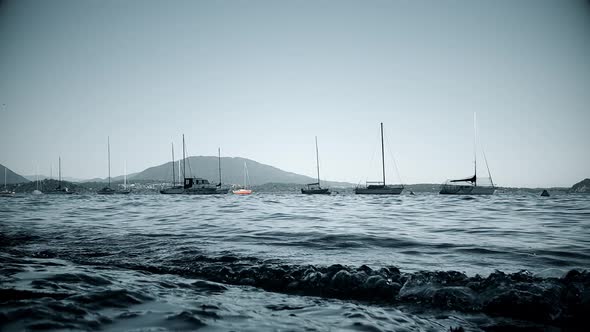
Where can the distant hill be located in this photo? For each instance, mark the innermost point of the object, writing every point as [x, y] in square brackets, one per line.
[11, 177]
[42, 177]
[582, 186]
[232, 172]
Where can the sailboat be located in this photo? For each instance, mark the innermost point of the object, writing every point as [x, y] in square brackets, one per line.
[108, 190]
[469, 186]
[125, 189]
[200, 186]
[174, 190]
[37, 191]
[246, 189]
[6, 192]
[379, 187]
[315, 188]
[59, 190]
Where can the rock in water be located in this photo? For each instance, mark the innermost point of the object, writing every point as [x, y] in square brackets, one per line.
[545, 193]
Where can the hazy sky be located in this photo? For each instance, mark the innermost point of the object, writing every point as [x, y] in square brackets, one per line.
[261, 78]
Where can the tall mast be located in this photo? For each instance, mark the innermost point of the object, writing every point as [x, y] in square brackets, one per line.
[317, 158]
[4, 178]
[173, 176]
[183, 159]
[219, 163]
[109, 150]
[125, 174]
[475, 148]
[382, 154]
[59, 172]
[245, 172]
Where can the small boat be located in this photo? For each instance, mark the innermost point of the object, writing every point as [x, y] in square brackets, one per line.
[59, 190]
[108, 190]
[37, 191]
[6, 192]
[174, 190]
[379, 187]
[245, 190]
[315, 188]
[469, 186]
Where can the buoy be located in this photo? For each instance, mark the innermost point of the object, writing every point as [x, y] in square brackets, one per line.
[545, 193]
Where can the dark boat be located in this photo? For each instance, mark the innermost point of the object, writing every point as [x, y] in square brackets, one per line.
[379, 187]
[199, 186]
[108, 190]
[315, 188]
[469, 186]
[59, 190]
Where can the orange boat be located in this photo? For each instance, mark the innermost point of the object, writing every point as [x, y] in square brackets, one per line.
[242, 192]
[245, 190]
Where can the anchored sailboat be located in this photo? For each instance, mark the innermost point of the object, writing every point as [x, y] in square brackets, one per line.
[315, 188]
[6, 192]
[469, 186]
[174, 190]
[200, 186]
[379, 187]
[108, 190]
[59, 190]
[246, 189]
[37, 191]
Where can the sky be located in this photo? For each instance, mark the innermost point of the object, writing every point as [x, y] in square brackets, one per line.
[260, 79]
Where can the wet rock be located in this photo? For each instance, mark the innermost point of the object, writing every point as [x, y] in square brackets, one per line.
[454, 297]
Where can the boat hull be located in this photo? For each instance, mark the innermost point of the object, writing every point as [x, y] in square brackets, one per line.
[466, 190]
[242, 192]
[323, 191]
[206, 191]
[106, 191]
[172, 191]
[383, 190]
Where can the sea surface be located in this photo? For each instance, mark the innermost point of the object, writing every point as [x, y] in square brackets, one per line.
[286, 262]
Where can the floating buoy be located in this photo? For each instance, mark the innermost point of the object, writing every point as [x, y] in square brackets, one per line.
[545, 193]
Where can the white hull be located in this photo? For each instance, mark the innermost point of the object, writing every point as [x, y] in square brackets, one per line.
[449, 189]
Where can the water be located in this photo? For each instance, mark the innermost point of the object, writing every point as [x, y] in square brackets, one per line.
[293, 262]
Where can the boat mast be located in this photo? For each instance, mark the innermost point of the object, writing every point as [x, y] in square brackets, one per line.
[219, 164]
[59, 186]
[109, 151]
[125, 174]
[475, 148]
[317, 159]
[5, 178]
[173, 176]
[183, 159]
[382, 154]
[245, 175]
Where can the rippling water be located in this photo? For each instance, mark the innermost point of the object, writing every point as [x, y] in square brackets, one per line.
[293, 262]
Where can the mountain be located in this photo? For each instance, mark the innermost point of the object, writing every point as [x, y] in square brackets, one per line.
[42, 177]
[582, 186]
[232, 172]
[11, 177]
